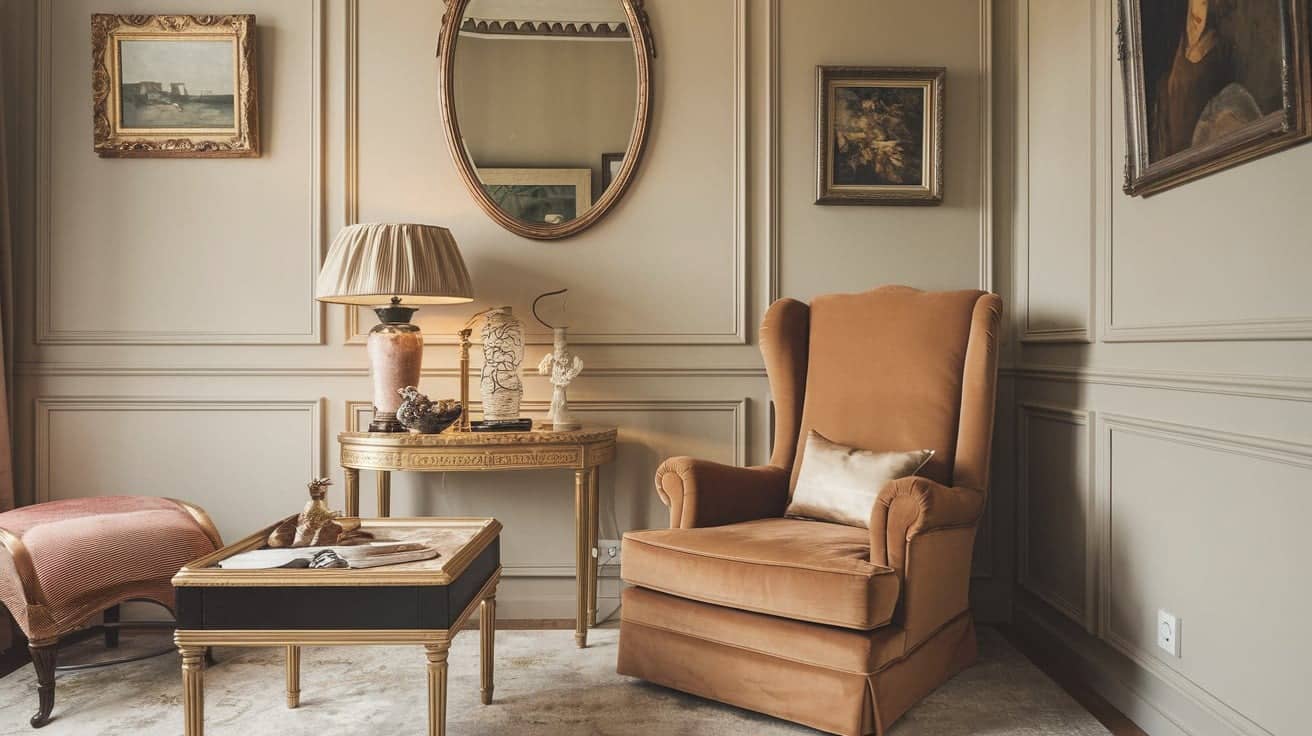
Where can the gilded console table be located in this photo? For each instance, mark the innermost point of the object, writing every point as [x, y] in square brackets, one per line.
[582, 450]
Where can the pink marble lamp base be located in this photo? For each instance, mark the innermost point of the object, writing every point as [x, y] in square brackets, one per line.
[396, 351]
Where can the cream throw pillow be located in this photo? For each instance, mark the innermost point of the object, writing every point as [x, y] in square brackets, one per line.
[840, 484]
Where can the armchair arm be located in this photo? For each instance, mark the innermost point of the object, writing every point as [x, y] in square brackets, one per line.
[704, 493]
[911, 506]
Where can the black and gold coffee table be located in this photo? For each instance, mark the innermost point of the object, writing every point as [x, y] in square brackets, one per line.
[416, 603]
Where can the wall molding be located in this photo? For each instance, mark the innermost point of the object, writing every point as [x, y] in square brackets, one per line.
[740, 214]
[46, 333]
[351, 120]
[47, 406]
[1099, 203]
[557, 570]
[986, 146]
[1086, 615]
[772, 98]
[112, 370]
[1284, 388]
[1267, 449]
[1281, 328]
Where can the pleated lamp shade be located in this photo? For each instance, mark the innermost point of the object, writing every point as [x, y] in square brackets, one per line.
[368, 264]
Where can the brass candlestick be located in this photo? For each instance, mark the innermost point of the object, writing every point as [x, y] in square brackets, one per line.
[463, 426]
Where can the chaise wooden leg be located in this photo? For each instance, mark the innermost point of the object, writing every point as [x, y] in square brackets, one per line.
[43, 659]
[111, 616]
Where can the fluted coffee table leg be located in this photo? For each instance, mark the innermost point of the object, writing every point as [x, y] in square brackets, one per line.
[436, 688]
[487, 636]
[293, 676]
[193, 690]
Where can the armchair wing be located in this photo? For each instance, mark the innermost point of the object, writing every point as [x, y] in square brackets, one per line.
[703, 493]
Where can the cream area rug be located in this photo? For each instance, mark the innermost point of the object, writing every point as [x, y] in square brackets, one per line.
[544, 687]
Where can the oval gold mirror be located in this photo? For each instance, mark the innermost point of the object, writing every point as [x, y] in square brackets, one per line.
[546, 106]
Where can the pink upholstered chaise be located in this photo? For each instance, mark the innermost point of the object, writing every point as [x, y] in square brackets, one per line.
[64, 562]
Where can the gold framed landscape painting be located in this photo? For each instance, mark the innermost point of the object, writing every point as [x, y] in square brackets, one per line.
[1211, 84]
[879, 135]
[174, 86]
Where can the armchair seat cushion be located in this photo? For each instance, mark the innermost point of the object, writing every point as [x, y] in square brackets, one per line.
[795, 568]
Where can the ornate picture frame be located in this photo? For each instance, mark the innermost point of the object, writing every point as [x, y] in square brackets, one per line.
[174, 86]
[1210, 85]
[879, 135]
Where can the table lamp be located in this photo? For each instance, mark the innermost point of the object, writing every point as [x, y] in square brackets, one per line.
[380, 265]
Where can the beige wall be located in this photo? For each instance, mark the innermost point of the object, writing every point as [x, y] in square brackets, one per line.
[168, 342]
[1163, 375]
[834, 248]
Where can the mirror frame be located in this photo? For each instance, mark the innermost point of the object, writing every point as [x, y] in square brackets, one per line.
[644, 51]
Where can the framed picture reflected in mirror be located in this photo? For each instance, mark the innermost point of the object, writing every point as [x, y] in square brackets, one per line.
[547, 196]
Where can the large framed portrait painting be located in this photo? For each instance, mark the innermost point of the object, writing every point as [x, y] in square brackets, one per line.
[880, 135]
[1210, 84]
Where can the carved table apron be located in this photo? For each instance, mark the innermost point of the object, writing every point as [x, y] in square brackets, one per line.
[582, 450]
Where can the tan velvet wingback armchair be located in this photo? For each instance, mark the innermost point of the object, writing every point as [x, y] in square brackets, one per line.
[837, 627]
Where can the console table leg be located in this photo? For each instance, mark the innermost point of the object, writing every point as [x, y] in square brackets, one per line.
[436, 688]
[193, 690]
[293, 676]
[582, 556]
[594, 512]
[384, 493]
[352, 491]
[487, 636]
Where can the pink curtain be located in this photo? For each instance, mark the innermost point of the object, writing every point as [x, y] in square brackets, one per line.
[6, 319]
[6, 343]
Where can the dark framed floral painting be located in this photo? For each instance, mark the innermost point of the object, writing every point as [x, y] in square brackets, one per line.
[879, 135]
[1210, 84]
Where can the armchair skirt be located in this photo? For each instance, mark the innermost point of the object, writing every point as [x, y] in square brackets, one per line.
[837, 680]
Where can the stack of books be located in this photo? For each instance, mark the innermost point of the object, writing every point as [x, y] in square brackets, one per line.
[373, 554]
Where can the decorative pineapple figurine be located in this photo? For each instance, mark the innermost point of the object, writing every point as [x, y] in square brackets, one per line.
[317, 525]
[314, 526]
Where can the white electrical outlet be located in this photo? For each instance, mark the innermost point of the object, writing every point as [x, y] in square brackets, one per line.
[1168, 633]
[608, 552]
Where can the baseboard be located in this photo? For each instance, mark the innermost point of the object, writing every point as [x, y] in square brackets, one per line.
[1154, 704]
[526, 624]
[990, 600]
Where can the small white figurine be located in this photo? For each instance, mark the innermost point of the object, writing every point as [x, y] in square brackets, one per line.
[561, 366]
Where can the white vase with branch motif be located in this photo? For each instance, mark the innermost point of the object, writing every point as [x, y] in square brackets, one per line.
[503, 353]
